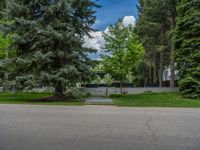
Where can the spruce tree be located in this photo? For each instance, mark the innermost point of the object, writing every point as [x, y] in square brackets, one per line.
[48, 38]
[2, 6]
[187, 44]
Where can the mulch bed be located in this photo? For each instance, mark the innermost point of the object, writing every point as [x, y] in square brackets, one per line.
[54, 99]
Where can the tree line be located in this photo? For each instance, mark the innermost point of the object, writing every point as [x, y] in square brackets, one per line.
[168, 31]
[143, 51]
[42, 44]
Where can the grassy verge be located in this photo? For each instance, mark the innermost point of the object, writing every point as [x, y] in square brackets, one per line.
[27, 98]
[155, 100]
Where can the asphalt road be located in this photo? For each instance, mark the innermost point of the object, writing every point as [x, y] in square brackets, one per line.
[98, 128]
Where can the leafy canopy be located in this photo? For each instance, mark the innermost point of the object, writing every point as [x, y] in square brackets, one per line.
[125, 48]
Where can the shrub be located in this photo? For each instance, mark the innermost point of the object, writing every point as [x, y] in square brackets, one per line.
[77, 92]
[190, 88]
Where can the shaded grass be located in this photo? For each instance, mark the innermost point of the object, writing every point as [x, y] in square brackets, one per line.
[28, 98]
[155, 100]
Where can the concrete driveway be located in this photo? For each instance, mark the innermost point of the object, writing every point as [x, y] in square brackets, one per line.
[98, 128]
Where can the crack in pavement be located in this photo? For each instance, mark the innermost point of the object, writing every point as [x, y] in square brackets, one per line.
[149, 127]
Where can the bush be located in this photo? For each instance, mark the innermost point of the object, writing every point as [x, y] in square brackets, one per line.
[190, 88]
[78, 93]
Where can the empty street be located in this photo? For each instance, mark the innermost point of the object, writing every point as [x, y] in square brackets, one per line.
[27, 127]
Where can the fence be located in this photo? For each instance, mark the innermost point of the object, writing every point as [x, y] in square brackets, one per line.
[101, 91]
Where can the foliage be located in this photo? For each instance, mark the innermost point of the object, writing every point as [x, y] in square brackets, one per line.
[190, 87]
[2, 6]
[140, 73]
[187, 43]
[48, 39]
[27, 81]
[77, 92]
[4, 44]
[107, 79]
[97, 80]
[155, 27]
[125, 48]
[98, 67]
[130, 77]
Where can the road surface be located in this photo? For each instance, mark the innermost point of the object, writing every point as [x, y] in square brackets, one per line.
[24, 127]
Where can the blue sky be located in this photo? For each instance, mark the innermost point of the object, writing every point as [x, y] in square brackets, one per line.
[112, 10]
[108, 14]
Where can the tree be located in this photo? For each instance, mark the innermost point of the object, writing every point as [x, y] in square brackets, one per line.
[48, 38]
[125, 49]
[149, 30]
[2, 6]
[171, 15]
[187, 44]
[97, 80]
[140, 73]
[5, 42]
[156, 22]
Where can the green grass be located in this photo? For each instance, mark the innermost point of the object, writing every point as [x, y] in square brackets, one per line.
[27, 98]
[155, 100]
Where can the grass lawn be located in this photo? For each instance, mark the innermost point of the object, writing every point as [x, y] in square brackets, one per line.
[155, 100]
[27, 98]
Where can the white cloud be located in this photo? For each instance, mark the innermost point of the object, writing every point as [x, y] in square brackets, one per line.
[129, 20]
[97, 41]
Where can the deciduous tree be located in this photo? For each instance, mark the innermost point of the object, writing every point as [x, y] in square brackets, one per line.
[125, 48]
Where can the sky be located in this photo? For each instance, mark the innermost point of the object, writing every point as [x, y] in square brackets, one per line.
[109, 13]
[112, 10]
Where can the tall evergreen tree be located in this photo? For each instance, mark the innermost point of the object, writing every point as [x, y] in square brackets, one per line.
[48, 38]
[154, 25]
[187, 46]
[2, 6]
[4, 42]
[170, 6]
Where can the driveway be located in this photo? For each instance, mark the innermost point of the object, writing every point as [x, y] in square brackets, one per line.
[98, 128]
[98, 101]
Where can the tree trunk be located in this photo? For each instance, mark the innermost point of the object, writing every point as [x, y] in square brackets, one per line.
[161, 59]
[121, 87]
[172, 77]
[59, 90]
[145, 82]
[161, 70]
[150, 72]
[154, 68]
[172, 59]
